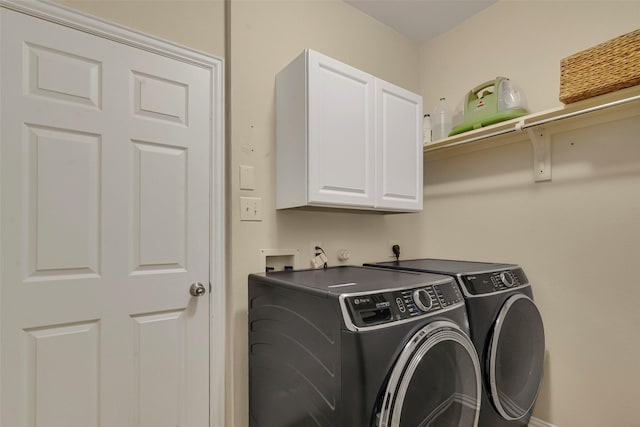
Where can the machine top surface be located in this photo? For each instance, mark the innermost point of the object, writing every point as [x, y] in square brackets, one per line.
[372, 298]
[475, 278]
[350, 279]
[447, 266]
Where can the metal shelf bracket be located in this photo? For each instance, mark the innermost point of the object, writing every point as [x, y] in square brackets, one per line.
[541, 142]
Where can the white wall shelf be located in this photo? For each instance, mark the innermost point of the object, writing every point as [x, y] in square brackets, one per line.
[539, 127]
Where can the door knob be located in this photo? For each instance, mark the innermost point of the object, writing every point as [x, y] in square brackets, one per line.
[197, 289]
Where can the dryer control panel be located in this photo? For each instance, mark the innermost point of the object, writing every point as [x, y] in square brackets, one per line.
[494, 281]
[373, 309]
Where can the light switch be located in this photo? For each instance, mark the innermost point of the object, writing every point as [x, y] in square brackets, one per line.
[247, 177]
[250, 208]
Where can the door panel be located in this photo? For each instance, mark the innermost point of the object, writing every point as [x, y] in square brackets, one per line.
[161, 221]
[104, 152]
[160, 99]
[63, 202]
[64, 374]
[62, 76]
[159, 368]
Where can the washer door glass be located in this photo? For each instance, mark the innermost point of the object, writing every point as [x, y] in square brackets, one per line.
[516, 357]
[435, 382]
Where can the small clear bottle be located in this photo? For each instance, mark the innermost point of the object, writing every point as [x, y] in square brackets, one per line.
[426, 129]
[441, 120]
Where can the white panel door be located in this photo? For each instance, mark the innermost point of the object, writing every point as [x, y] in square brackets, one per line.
[340, 131]
[104, 179]
[399, 148]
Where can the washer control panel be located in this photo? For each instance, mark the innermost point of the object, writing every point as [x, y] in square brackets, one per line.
[494, 281]
[401, 304]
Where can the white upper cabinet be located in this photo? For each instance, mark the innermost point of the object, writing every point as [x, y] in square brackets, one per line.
[345, 138]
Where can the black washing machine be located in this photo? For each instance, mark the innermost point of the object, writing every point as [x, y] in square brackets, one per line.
[360, 347]
[506, 329]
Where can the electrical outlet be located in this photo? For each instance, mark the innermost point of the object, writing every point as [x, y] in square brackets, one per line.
[312, 249]
[391, 244]
[319, 261]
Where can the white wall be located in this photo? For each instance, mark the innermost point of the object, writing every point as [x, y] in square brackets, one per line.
[522, 40]
[265, 37]
[576, 236]
[198, 24]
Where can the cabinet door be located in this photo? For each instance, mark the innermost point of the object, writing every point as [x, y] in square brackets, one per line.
[340, 133]
[398, 148]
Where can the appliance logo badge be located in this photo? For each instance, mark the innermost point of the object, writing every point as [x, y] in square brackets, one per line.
[362, 300]
[480, 105]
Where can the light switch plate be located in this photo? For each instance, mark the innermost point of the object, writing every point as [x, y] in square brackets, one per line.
[247, 177]
[250, 208]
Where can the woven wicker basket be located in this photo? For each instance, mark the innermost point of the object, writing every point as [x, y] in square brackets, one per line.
[607, 67]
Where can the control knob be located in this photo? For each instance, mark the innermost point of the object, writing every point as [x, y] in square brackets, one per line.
[507, 279]
[422, 299]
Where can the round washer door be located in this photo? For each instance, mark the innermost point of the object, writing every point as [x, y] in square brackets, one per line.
[436, 381]
[516, 357]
